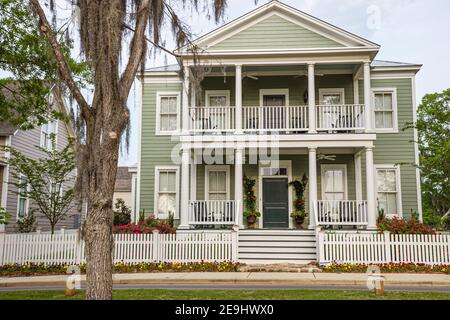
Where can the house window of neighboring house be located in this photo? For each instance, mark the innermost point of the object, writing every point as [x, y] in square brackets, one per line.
[385, 109]
[388, 189]
[168, 113]
[217, 182]
[46, 131]
[22, 202]
[166, 195]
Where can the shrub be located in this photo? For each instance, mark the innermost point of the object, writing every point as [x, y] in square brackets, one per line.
[388, 268]
[446, 222]
[404, 226]
[4, 216]
[122, 213]
[27, 224]
[142, 228]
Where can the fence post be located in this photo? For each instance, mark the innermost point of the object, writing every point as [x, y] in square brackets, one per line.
[2, 246]
[320, 246]
[155, 246]
[387, 246]
[234, 244]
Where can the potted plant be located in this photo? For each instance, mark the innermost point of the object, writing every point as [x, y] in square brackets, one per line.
[250, 213]
[299, 214]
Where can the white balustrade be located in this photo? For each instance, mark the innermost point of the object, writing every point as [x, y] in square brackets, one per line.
[213, 212]
[339, 213]
[212, 119]
[345, 117]
[275, 118]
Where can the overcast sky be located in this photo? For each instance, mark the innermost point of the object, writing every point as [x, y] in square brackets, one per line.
[414, 31]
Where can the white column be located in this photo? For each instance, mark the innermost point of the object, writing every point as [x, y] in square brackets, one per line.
[193, 186]
[238, 99]
[312, 187]
[370, 180]
[184, 190]
[358, 176]
[367, 97]
[185, 101]
[311, 98]
[238, 185]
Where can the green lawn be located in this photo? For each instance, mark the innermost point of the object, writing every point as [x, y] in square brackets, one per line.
[159, 294]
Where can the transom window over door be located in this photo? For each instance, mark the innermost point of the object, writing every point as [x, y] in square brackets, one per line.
[166, 187]
[334, 182]
[217, 182]
[385, 109]
[168, 113]
[388, 188]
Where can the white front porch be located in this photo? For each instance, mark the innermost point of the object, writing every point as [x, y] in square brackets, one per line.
[221, 205]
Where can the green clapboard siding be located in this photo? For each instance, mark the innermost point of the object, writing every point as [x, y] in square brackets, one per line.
[275, 32]
[398, 148]
[155, 150]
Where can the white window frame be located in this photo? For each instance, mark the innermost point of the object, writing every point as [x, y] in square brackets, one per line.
[324, 91]
[398, 186]
[212, 168]
[27, 201]
[392, 91]
[159, 95]
[55, 126]
[323, 167]
[209, 93]
[156, 191]
[274, 92]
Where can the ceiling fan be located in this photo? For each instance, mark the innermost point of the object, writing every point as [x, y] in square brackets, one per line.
[329, 157]
[305, 75]
[247, 75]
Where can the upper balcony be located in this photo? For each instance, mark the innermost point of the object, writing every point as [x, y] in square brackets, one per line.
[331, 118]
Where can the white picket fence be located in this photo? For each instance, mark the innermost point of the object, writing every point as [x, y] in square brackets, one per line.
[367, 248]
[66, 248]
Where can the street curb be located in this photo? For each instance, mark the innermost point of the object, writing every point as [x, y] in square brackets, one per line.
[257, 278]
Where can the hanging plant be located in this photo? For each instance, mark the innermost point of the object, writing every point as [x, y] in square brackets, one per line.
[299, 213]
[250, 212]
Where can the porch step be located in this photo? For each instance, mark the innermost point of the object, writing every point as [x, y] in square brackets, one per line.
[277, 246]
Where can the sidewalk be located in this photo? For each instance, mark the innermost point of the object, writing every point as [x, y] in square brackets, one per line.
[244, 278]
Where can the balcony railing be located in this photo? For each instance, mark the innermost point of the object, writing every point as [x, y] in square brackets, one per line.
[342, 213]
[213, 212]
[212, 119]
[275, 118]
[344, 117]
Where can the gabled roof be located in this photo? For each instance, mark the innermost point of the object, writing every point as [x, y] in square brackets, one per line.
[336, 37]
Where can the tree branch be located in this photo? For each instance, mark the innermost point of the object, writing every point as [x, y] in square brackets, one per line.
[63, 68]
[137, 48]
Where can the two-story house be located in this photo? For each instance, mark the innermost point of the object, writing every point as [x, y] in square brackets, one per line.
[27, 142]
[273, 95]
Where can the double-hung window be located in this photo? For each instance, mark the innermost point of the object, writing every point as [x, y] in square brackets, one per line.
[388, 190]
[22, 201]
[166, 191]
[217, 182]
[385, 109]
[168, 112]
[47, 130]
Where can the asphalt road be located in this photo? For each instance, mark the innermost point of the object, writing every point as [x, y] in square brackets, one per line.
[239, 287]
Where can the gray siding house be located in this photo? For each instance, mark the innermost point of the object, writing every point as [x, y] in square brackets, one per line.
[27, 143]
[282, 94]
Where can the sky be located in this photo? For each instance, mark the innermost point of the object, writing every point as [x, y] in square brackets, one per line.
[414, 31]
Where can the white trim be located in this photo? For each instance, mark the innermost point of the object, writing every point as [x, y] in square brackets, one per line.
[358, 175]
[323, 91]
[270, 92]
[217, 168]
[280, 164]
[398, 184]
[27, 200]
[159, 95]
[156, 190]
[209, 93]
[416, 151]
[392, 91]
[139, 171]
[342, 167]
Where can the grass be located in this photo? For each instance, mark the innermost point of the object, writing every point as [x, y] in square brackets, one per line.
[160, 294]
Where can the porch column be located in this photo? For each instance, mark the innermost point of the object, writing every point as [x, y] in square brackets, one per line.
[311, 98]
[185, 101]
[238, 99]
[239, 185]
[193, 186]
[184, 189]
[358, 176]
[312, 187]
[367, 97]
[370, 181]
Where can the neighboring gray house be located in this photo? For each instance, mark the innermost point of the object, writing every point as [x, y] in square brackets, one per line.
[27, 142]
[125, 186]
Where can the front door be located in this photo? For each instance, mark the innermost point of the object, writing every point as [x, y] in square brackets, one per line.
[275, 203]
